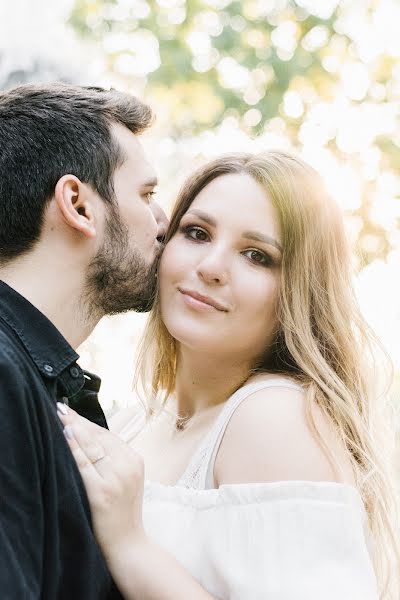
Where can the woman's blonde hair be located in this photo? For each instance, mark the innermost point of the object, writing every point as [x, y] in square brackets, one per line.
[323, 341]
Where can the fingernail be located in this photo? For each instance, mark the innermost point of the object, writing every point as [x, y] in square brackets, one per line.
[62, 408]
[68, 432]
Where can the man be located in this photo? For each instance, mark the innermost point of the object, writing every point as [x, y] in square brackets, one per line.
[79, 238]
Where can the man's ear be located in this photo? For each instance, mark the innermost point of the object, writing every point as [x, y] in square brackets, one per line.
[75, 204]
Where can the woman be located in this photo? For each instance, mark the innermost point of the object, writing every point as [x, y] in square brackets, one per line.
[265, 479]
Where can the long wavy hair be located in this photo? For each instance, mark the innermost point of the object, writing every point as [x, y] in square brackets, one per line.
[323, 341]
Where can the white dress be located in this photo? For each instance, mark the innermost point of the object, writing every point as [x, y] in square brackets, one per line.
[290, 540]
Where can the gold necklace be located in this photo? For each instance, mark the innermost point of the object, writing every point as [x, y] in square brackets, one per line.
[181, 423]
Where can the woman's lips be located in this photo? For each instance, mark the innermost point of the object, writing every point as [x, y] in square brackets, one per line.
[200, 302]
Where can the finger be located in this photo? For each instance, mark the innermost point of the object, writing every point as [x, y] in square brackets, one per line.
[96, 443]
[86, 468]
[93, 464]
[62, 409]
[90, 444]
[86, 434]
[66, 414]
[124, 459]
[70, 417]
[66, 411]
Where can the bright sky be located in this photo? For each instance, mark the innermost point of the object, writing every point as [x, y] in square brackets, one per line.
[32, 29]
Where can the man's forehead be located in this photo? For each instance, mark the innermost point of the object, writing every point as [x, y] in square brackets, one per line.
[135, 158]
[144, 173]
[141, 171]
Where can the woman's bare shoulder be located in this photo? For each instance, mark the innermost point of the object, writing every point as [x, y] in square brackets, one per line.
[269, 439]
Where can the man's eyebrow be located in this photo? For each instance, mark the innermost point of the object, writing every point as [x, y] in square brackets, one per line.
[249, 235]
[261, 237]
[151, 182]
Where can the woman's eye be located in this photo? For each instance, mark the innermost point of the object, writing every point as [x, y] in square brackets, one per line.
[257, 257]
[150, 196]
[196, 233]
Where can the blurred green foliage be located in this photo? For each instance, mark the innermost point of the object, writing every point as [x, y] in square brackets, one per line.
[320, 73]
[238, 31]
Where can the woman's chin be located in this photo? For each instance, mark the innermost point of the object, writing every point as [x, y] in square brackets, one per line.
[199, 339]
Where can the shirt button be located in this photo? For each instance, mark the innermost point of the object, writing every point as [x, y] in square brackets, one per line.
[64, 399]
[48, 368]
[74, 372]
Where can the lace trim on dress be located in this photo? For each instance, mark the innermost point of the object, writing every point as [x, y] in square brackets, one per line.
[199, 472]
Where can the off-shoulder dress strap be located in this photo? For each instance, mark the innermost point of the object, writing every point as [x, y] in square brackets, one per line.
[199, 473]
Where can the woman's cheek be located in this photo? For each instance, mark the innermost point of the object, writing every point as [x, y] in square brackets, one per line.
[261, 304]
[172, 268]
[166, 263]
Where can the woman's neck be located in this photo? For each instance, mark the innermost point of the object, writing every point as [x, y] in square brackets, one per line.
[204, 381]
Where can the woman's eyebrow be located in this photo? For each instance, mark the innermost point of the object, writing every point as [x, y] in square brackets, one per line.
[261, 237]
[203, 216]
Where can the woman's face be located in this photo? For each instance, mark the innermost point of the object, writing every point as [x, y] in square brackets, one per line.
[220, 272]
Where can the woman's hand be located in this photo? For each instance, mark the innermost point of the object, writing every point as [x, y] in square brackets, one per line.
[113, 475]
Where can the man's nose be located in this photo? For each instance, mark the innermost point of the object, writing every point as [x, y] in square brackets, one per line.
[161, 219]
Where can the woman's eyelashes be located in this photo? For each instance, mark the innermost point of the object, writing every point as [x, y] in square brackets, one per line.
[149, 196]
[255, 256]
[196, 233]
[258, 257]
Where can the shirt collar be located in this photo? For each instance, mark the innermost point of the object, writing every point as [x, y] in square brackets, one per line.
[49, 350]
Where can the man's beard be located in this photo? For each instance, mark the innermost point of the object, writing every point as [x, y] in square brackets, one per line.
[119, 279]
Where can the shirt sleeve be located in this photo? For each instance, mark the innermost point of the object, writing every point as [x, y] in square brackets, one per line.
[290, 548]
[277, 541]
[21, 506]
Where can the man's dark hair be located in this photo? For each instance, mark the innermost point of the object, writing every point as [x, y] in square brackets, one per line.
[47, 131]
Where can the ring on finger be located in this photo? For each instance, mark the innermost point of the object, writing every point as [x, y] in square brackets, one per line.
[96, 460]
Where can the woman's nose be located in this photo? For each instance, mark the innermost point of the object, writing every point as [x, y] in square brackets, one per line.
[214, 268]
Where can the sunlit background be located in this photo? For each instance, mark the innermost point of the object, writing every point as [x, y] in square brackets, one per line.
[321, 77]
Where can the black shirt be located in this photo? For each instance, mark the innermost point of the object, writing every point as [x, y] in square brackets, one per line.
[47, 548]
